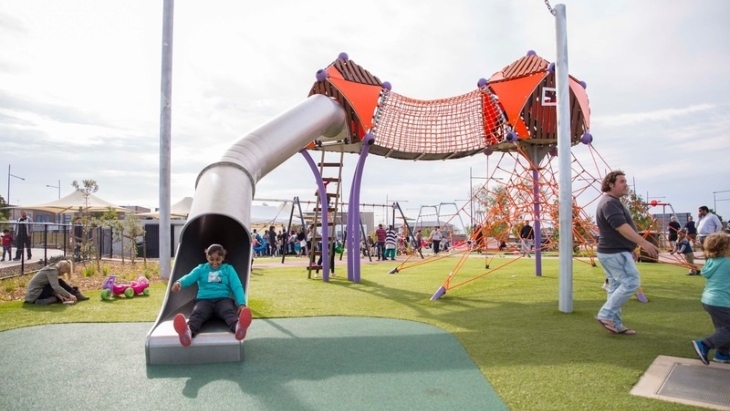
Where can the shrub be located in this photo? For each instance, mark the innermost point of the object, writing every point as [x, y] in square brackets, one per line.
[89, 271]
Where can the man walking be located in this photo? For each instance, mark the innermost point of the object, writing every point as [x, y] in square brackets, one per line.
[707, 224]
[380, 234]
[616, 251]
[23, 230]
[527, 235]
[435, 240]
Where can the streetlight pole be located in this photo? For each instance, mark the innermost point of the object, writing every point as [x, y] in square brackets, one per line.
[11, 175]
[714, 199]
[58, 219]
[471, 193]
[58, 187]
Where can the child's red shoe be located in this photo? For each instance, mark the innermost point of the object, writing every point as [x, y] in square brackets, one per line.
[244, 321]
[182, 330]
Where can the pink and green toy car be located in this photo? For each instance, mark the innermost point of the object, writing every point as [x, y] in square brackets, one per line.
[138, 287]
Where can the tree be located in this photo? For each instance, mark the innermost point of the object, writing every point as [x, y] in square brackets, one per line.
[498, 202]
[130, 228]
[87, 221]
[638, 210]
[90, 187]
[4, 212]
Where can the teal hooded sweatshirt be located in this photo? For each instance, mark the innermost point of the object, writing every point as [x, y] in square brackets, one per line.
[717, 289]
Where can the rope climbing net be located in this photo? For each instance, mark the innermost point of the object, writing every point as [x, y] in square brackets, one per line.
[461, 124]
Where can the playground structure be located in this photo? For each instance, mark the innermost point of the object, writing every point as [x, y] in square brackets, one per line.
[512, 114]
[351, 111]
[513, 111]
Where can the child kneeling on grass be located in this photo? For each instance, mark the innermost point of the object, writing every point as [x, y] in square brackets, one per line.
[684, 247]
[220, 294]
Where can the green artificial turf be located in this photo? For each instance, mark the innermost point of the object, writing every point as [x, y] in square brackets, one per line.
[535, 357]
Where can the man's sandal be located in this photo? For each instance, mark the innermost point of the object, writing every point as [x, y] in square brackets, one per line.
[608, 325]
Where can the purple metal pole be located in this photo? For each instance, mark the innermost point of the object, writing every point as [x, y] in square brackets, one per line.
[350, 237]
[353, 228]
[325, 226]
[538, 235]
[368, 140]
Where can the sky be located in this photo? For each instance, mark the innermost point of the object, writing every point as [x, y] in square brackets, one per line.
[80, 89]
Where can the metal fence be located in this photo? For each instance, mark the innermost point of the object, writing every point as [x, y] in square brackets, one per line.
[57, 237]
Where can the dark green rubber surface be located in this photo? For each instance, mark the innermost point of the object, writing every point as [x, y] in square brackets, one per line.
[320, 363]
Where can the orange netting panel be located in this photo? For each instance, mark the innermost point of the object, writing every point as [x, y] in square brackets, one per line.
[442, 126]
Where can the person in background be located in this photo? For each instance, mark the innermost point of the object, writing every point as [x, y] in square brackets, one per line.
[47, 288]
[306, 240]
[418, 240]
[435, 239]
[23, 233]
[691, 230]
[7, 243]
[673, 228]
[380, 234]
[220, 294]
[527, 236]
[77, 238]
[707, 224]
[446, 239]
[259, 245]
[273, 247]
[684, 247]
[616, 251]
[478, 238]
[390, 243]
[716, 299]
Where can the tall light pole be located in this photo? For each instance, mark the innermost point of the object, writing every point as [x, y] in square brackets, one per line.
[58, 187]
[471, 193]
[715, 200]
[11, 175]
[58, 219]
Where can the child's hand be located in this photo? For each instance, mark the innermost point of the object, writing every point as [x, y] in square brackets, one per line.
[176, 287]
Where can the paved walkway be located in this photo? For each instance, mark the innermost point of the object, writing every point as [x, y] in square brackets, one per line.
[37, 253]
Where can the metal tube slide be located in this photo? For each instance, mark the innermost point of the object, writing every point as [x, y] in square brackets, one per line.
[221, 213]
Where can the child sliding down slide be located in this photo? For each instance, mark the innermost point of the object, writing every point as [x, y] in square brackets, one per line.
[220, 294]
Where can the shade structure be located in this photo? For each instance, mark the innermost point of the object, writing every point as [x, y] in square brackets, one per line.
[270, 215]
[181, 209]
[75, 202]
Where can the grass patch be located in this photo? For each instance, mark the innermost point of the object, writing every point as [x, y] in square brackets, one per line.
[536, 357]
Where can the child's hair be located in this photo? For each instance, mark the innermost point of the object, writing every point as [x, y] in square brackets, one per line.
[216, 248]
[717, 245]
[6, 231]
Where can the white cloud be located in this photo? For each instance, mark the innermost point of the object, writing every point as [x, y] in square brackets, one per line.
[624, 119]
[80, 87]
